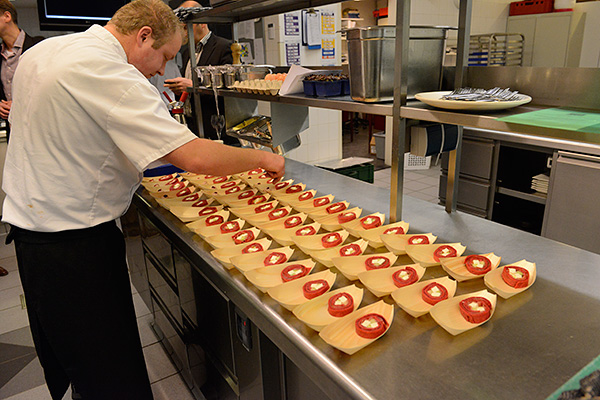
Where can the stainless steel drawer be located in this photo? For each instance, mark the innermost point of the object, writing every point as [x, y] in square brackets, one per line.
[470, 193]
[164, 289]
[185, 286]
[169, 334]
[157, 245]
[476, 158]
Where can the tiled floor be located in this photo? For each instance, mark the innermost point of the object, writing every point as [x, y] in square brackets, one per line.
[422, 184]
[419, 183]
[21, 376]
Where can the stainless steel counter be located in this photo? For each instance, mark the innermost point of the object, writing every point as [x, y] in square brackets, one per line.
[535, 341]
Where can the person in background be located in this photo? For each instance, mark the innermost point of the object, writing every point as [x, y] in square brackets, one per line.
[86, 123]
[14, 42]
[210, 50]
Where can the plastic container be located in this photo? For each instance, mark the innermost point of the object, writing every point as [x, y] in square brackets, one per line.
[345, 87]
[162, 170]
[328, 88]
[309, 88]
[564, 5]
[531, 7]
[379, 145]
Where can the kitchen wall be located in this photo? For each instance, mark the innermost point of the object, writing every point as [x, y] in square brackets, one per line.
[590, 48]
[322, 141]
[489, 16]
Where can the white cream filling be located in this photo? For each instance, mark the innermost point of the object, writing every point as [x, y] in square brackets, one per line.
[370, 323]
[342, 300]
[435, 292]
[515, 273]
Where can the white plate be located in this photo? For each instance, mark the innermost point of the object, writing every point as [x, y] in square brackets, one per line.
[435, 99]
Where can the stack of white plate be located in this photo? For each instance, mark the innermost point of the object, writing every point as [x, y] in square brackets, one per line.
[539, 183]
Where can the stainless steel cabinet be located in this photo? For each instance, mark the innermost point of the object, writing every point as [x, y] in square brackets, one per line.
[475, 186]
[572, 214]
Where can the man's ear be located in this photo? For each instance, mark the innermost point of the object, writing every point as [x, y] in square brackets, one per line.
[145, 33]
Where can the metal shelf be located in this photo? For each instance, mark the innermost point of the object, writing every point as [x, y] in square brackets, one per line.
[243, 10]
[416, 110]
[419, 111]
[343, 103]
[534, 197]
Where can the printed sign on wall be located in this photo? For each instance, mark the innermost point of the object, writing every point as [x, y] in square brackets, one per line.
[292, 24]
[292, 53]
[327, 23]
[328, 49]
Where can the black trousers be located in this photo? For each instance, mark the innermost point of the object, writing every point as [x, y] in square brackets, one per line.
[81, 311]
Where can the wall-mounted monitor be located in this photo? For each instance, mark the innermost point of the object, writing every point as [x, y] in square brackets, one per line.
[75, 15]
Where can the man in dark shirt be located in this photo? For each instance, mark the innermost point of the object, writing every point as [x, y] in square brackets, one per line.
[14, 42]
[210, 50]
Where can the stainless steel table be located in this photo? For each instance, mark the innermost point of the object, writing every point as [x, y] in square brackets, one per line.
[535, 341]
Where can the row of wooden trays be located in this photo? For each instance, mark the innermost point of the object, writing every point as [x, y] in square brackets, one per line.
[291, 244]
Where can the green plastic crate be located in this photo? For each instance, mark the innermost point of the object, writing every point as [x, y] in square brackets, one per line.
[364, 172]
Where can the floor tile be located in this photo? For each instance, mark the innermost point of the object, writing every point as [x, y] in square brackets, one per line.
[30, 377]
[432, 191]
[9, 263]
[37, 393]
[140, 307]
[12, 280]
[17, 358]
[13, 318]
[10, 352]
[21, 337]
[158, 363]
[147, 335]
[6, 250]
[10, 298]
[171, 388]
[430, 180]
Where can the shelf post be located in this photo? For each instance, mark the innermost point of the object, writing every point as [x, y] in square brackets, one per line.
[195, 83]
[462, 55]
[400, 92]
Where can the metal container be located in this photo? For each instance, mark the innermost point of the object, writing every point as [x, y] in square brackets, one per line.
[250, 72]
[216, 79]
[204, 75]
[228, 79]
[371, 62]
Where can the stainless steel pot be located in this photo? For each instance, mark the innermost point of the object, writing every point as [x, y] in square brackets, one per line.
[371, 62]
[205, 77]
[228, 79]
[216, 79]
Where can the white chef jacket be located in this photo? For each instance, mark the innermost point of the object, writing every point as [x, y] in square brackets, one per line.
[84, 126]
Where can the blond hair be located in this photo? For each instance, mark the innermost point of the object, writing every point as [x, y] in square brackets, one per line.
[153, 13]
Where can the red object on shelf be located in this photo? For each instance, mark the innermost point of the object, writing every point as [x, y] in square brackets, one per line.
[531, 7]
[381, 13]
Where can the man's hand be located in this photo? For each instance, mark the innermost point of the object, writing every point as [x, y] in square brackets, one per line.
[273, 164]
[178, 85]
[5, 108]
